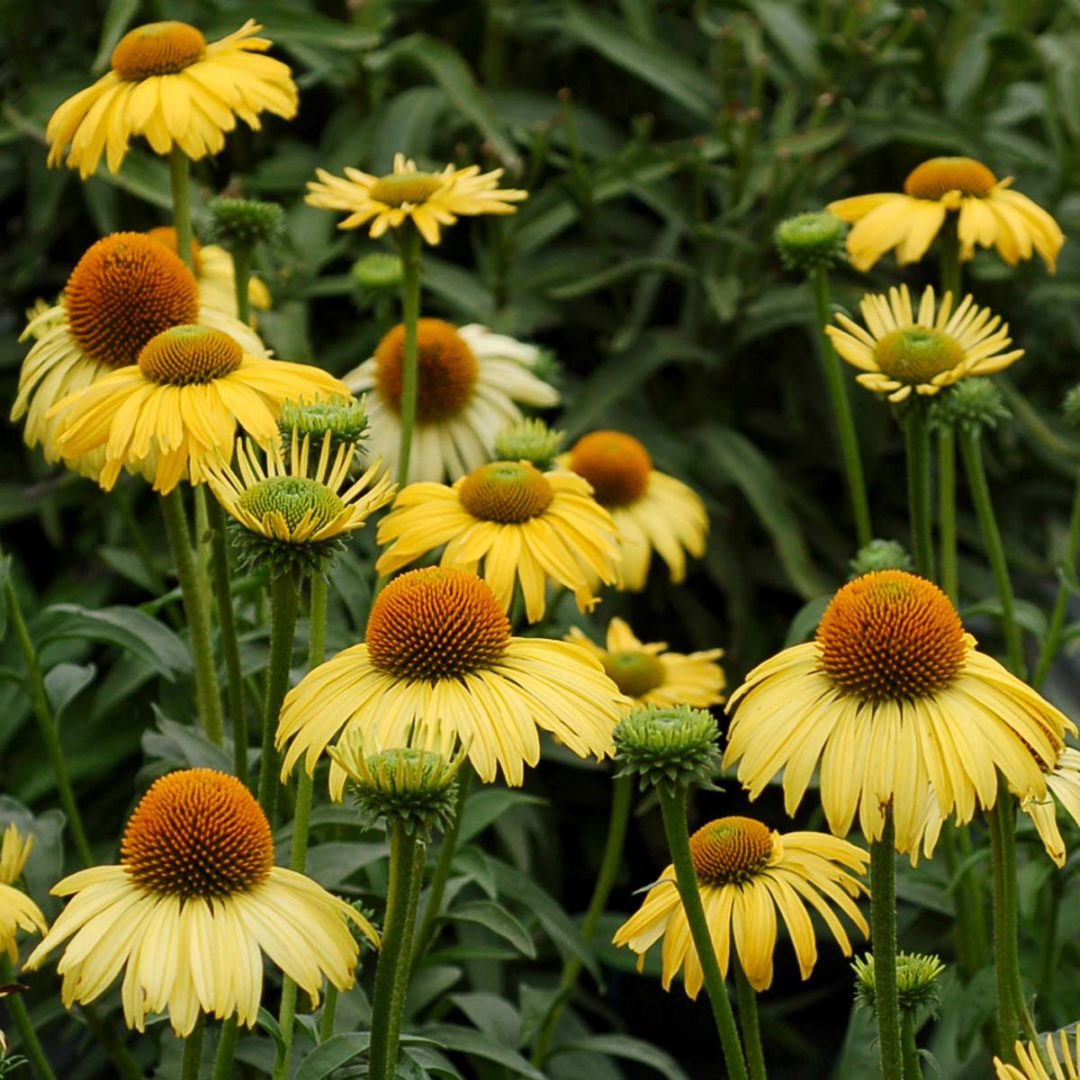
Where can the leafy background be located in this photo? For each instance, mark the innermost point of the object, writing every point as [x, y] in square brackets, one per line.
[661, 143]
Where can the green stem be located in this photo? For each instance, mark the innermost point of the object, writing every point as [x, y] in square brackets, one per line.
[429, 925]
[841, 409]
[197, 611]
[673, 808]
[621, 797]
[392, 971]
[910, 1048]
[917, 442]
[1007, 1021]
[193, 1044]
[230, 645]
[127, 1068]
[1005, 812]
[241, 260]
[883, 924]
[409, 241]
[301, 823]
[971, 449]
[223, 1061]
[284, 601]
[950, 259]
[179, 177]
[748, 1020]
[47, 723]
[31, 1046]
[1052, 641]
[950, 573]
[137, 534]
[326, 1020]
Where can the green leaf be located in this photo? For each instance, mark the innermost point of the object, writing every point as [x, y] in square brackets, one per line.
[5, 575]
[183, 746]
[632, 1049]
[628, 268]
[743, 464]
[664, 69]
[445, 64]
[485, 807]
[338, 1050]
[498, 920]
[268, 1022]
[127, 627]
[786, 26]
[1030, 617]
[65, 682]
[491, 1014]
[467, 1041]
[806, 620]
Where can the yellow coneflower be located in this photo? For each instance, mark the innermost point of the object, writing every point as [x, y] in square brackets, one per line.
[429, 200]
[194, 901]
[746, 874]
[17, 910]
[170, 86]
[124, 291]
[282, 502]
[990, 215]
[650, 675]
[178, 407]
[520, 524]
[439, 667]
[470, 383]
[213, 267]
[892, 704]
[1064, 1059]
[901, 350]
[652, 511]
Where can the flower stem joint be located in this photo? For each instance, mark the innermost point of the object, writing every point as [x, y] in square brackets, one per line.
[970, 405]
[917, 977]
[669, 746]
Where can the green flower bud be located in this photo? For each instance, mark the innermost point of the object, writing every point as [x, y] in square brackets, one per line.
[880, 555]
[970, 403]
[416, 788]
[243, 223]
[807, 241]
[917, 977]
[670, 745]
[529, 440]
[376, 276]
[343, 419]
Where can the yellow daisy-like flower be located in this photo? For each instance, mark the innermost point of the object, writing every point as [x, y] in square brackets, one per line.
[903, 350]
[440, 668]
[213, 268]
[990, 215]
[746, 874]
[650, 675]
[651, 510]
[124, 291]
[170, 86]
[1063, 788]
[892, 704]
[281, 501]
[194, 902]
[521, 524]
[17, 910]
[429, 200]
[177, 408]
[1064, 1059]
[470, 383]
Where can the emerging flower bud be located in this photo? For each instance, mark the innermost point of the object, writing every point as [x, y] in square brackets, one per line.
[670, 746]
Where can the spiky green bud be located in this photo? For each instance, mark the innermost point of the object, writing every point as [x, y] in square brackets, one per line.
[376, 276]
[667, 745]
[808, 241]
[880, 555]
[917, 977]
[969, 404]
[416, 788]
[240, 224]
[529, 440]
[343, 419]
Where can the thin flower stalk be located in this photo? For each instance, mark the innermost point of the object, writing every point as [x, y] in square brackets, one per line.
[917, 442]
[193, 1045]
[673, 808]
[31, 1044]
[284, 601]
[392, 971]
[409, 245]
[883, 936]
[746, 998]
[621, 797]
[841, 408]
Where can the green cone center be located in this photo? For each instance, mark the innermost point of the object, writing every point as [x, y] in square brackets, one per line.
[916, 354]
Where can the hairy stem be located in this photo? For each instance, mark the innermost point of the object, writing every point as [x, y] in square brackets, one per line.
[883, 929]
[917, 441]
[746, 997]
[284, 601]
[409, 240]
